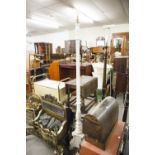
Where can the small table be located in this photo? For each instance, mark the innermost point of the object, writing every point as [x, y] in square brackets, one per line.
[88, 86]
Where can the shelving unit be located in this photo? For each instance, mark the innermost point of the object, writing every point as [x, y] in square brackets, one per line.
[37, 71]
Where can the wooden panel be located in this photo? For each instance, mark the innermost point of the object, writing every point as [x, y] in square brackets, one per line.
[120, 65]
[121, 82]
[69, 70]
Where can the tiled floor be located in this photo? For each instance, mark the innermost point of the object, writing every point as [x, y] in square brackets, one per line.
[36, 146]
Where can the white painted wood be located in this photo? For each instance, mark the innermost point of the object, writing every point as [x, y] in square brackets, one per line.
[47, 86]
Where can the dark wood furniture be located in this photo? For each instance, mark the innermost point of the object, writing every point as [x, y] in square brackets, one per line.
[121, 83]
[70, 46]
[120, 64]
[121, 70]
[69, 70]
[56, 56]
[44, 51]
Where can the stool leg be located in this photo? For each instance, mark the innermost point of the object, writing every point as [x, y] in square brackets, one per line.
[82, 105]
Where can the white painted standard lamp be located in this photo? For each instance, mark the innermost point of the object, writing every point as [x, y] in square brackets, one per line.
[77, 133]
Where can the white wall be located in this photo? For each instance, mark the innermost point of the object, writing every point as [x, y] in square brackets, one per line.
[29, 49]
[57, 39]
[86, 34]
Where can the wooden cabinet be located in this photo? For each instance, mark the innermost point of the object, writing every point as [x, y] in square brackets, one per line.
[121, 64]
[120, 42]
[121, 83]
[70, 46]
[44, 50]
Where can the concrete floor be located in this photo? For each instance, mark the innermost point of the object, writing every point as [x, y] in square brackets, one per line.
[36, 146]
[120, 101]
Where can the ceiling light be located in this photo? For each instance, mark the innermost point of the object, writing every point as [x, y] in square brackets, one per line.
[88, 11]
[72, 13]
[85, 19]
[44, 22]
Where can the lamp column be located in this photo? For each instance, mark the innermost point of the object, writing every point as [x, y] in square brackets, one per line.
[77, 133]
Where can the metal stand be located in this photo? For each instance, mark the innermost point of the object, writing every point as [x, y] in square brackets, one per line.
[104, 74]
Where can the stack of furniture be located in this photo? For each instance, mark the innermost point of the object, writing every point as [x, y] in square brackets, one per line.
[44, 50]
[39, 61]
